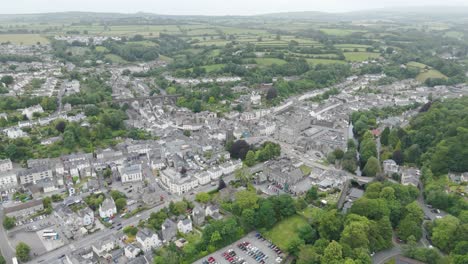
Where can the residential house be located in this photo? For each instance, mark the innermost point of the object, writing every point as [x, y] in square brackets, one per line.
[102, 247]
[203, 178]
[410, 176]
[29, 112]
[131, 251]
[168, 230]
[185, 225]
[20, 209]
[198, 215]
[177, 183]
[5, 165]
[213, 212]
[8, 180]
[87, 216]
[35, 174]
[107, 209]
[148, 240]
[15, 132]
[390, 167]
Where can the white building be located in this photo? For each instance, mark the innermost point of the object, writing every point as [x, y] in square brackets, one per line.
[35, 174]
[132, 173]
[185, 226]
[203, 178]
[5, 165]
[131, 251]
[107, 209]
[29, 112]
[390, 167]
[8, 180]
[255, 98]
[15, 132]
[176, 183]
[148, 240]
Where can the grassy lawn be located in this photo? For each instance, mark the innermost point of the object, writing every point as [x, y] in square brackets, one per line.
[101, 49]
[26, 39]
[115, 58]
[305, 169]
[283, 232]
[269, 61]
[323, 61]
[416, 65]
[166, 59]
[360, 56]
[311, 213]
[423, 76]
[212, 67]
[338, 31]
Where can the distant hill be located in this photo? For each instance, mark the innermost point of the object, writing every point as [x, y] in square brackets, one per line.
[441, 13]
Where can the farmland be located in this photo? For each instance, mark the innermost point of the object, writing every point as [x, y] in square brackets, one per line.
[25, 39]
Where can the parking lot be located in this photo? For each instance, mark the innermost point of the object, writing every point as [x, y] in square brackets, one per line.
[242, 256]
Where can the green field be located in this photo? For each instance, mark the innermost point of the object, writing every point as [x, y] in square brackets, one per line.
[115, 58]
[283, 232]
[423, 76]
[269, 61]
[338, 31]
[323, 61]
[101, 49]
[360, 56]
[454, 34]
[166, 59]
[415, 64]
[25, 39]
[212, 67]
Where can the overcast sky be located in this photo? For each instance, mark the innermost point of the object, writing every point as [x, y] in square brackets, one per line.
[209, 7]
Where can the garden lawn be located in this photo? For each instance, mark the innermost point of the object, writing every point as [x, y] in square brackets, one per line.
[423, 76]
[269, 61]
[286, 230]
[360, 56]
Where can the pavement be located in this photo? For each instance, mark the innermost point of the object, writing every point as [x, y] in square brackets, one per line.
[6, 248]
[261, 245]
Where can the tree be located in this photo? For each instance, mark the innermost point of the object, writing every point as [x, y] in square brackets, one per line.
[180, 207]
[265, 215]
[239, 149]
[2, 260]
[60, 126]
[294, 246]
[247, 199]
[9, 222]
[250, 158]
[91, 110]
[130, 230]
[243, 176]
[7, 80]
[384, 136]
[22, 252]
[120, 204]
[248, 219]
[221, 184]
[372, 167]
[330, 225]
[307, 233]
[272, 93]
[333, 253]
[202, 197]
[398, 157]
[308, 255]
[408, 227]
[312, 194]
[444, 232]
